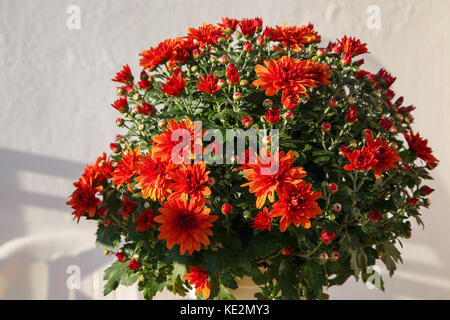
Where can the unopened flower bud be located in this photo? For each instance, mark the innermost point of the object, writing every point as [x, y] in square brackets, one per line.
[243, 83]
[375, 216]
[351, 100]
[326, 127]
[288, 116]
[333, 103]
[337, 207]
[247, 121]
[213, 59]
[248, 46]
[267, 141]
[223, 60]
[227, 208]
[237, 96]
[323, 257]
[162, 123]
[115, 147]
[260, 41]
[220, 83]
[333, 188]
[121, 91]
[107, 222]
[119, 122]
[267, 103]
[335, 256]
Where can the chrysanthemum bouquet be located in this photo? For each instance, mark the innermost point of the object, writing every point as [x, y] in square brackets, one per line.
[252, 151]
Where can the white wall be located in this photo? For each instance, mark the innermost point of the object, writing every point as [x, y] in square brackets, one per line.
[55, 116]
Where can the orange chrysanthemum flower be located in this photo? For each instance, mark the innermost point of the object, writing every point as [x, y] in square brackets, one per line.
[352, 46]
[360, 160]
[229, 24]
[420, 148]
[126, 168]
[189, 180]
[163, 144]
[153, 177]
[187, 224]
[274, 177]
[290, 73]
[207, 34]
[384, 156]
[99, 171]
[297, 205]
[172, 51]
[198, 277]
[293, 36]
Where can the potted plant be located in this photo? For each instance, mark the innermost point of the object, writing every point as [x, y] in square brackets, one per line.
[253, 151]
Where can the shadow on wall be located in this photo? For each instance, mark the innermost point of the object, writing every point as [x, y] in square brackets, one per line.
[38, 240]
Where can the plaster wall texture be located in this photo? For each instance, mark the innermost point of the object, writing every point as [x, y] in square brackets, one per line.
[55, 117]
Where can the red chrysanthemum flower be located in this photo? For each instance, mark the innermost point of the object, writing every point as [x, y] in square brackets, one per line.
[232, 74]
[126, 168]
[384, 156]
[208, 84]
[84, 199]
[163, 144]
[145, 221]
[262, 220]
[172, 51]
[274, 177]
[146, 109]
[124, 76]
[250, 26]
[327, 236]
[198, 277]
[189, 181]
[207, 34]
[272, 115]
[99, 171]
[134, 265]
[174, 85]
[121, 257]
[121, 105]
[153, 177]
[351, 115]
[290, 73]
[297, 205]
[360, 160]
[187, 224]
[420, 148]
[385, 123]
[293, 36]
[386, 77]
[127, 206]
[228, 24]
[352, 46]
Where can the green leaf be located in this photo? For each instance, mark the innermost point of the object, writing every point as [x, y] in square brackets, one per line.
[107, 237]
[214, 284]
[114, 275]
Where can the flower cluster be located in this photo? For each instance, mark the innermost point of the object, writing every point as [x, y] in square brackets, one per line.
[331, 195]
